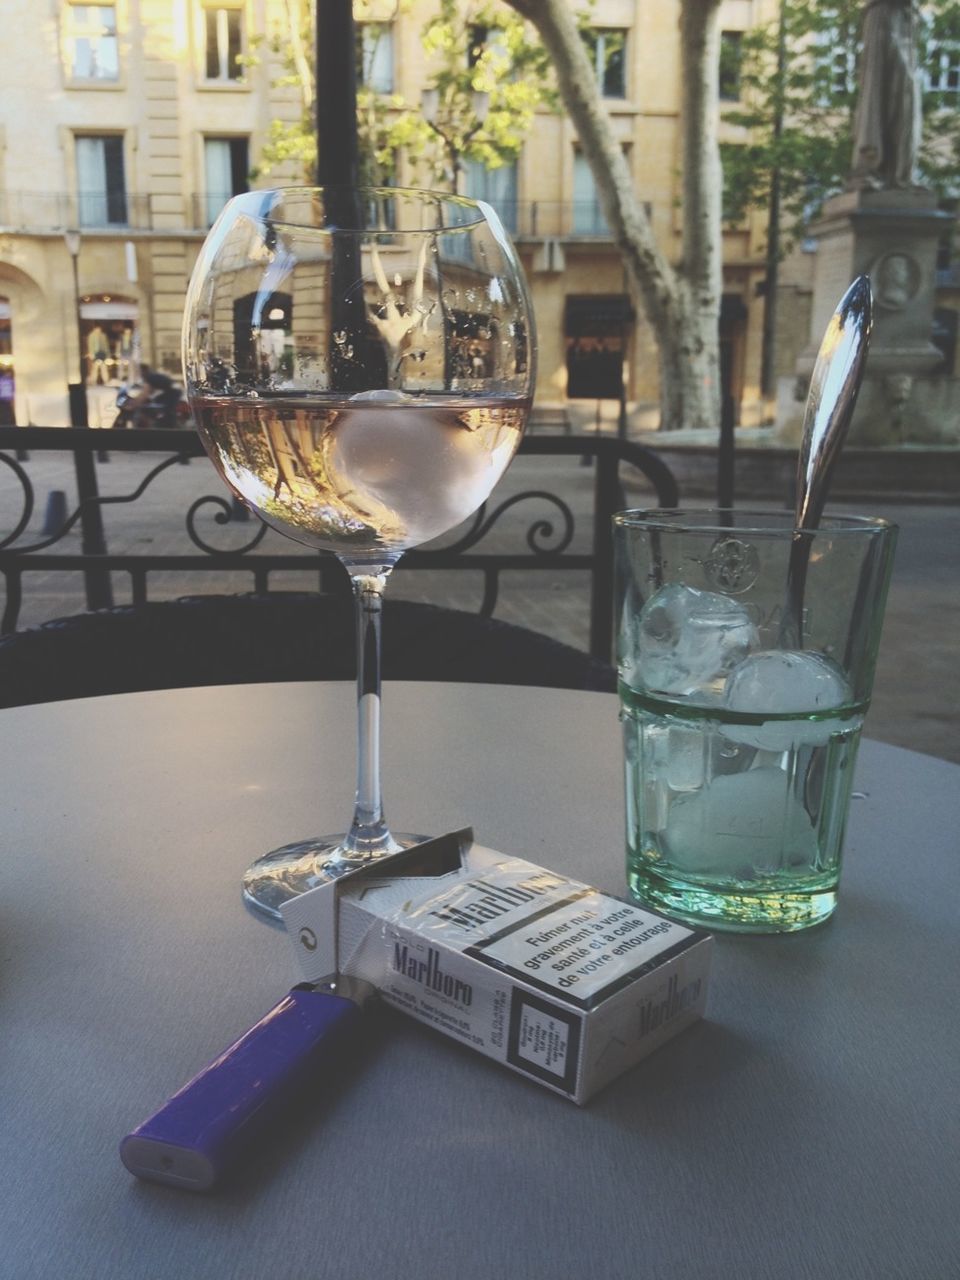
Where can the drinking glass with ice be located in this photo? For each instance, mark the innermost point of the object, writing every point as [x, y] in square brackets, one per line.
[740, 751]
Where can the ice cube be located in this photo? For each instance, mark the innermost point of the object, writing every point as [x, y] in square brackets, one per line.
[384, 396]
[781, 682]
[741, 826]
[686, 640]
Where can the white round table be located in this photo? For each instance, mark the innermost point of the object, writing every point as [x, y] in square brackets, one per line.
[807, 1128]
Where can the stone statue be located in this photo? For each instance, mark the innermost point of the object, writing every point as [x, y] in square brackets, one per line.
[887, 124]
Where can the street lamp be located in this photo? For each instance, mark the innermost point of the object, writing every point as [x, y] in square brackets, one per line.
[453, 144]
[78, 401]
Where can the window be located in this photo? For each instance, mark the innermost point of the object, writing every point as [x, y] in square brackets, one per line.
[380, 170]
[91, 31]
[588, 219]
[223, 42]
[595, 328]
[834, 66]
[375, 56]
[101, 189]
[483, 39]
[731, 55]
[225, 164]
[8, 417]
[943, 69]
[476, 44]
[843, 72]
[497, 186]
[108, 338]
[607, 48]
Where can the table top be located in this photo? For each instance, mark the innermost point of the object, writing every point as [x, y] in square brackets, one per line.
[808, 1127]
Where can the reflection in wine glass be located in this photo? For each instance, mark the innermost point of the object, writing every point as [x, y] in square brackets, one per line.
[360, 368]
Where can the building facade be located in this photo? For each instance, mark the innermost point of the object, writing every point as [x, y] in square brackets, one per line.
[129, 124]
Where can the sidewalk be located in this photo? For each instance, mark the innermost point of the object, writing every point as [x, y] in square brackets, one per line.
[917, 694]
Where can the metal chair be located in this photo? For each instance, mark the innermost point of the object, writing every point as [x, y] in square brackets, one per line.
[207, 640]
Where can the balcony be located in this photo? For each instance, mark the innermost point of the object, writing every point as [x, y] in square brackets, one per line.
[40, 212]
[556, 220]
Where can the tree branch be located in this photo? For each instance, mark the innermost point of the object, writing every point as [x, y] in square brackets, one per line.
[301, 61]
[702, 172]
[650, 273]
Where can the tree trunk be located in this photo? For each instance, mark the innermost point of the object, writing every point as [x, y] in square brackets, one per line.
[680, 303]
[697, 379]
[298, 52]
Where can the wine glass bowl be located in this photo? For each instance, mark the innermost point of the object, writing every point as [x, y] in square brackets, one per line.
[360, 367]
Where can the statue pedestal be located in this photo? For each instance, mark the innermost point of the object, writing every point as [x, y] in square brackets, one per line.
[890, 235]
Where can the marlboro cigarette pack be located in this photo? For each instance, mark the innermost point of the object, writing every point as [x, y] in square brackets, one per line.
[546, 975]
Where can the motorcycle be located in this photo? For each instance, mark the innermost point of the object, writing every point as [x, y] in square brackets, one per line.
[163, 409]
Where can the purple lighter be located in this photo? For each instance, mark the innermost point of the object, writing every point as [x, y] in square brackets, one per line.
[200, 1132]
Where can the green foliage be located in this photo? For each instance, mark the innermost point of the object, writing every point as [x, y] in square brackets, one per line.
[481, 46]
[940, 150]
[288, 141]
[814, 98]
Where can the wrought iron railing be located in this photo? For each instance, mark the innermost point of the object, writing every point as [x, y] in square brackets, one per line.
[548, 541]
[33, 211]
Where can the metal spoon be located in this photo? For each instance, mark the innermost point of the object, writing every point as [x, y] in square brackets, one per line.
[834, 386]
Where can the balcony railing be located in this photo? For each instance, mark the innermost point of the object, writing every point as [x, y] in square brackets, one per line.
[559, 219]
[44, 211]
[30, 211]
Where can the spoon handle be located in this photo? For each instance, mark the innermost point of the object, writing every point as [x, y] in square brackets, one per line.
[834, 386]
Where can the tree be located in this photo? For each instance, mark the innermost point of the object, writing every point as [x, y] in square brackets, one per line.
[481, 49]
[476, 48]
[797, 88]
[682, 301]
[797, 79]
[798, 110]
[940, 56]
[291, 141]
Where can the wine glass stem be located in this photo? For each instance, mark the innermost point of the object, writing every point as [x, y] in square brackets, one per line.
[369, 832]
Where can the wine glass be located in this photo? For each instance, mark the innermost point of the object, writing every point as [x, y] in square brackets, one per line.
[360, 365]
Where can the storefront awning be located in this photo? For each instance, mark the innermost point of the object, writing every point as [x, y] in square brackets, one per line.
[108, 310]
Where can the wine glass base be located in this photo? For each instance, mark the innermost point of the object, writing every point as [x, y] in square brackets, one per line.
[293, 869]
